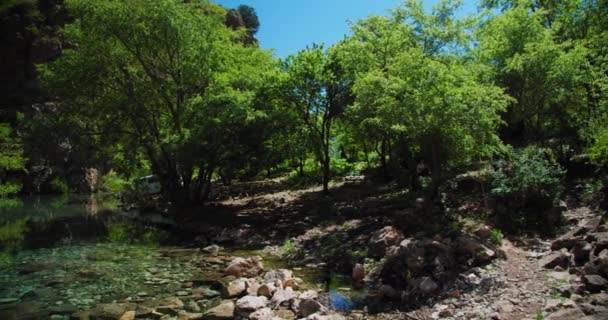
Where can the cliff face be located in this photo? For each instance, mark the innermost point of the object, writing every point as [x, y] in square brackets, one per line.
[29, 34]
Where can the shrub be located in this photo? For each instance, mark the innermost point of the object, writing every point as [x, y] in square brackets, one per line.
[496, 236]
[113, 183]
[59, 185]
[526, 186]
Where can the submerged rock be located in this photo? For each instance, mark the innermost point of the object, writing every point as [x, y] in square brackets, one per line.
[224, 311]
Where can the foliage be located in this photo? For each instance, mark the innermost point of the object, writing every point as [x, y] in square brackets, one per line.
[129, 233]
[59, 185]
[496, 236]
[12, 234]
[526, 186]
[179, 82]
[11, 161]
[113, 183]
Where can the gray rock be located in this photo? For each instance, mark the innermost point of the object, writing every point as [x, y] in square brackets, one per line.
[594, 283]
[249, 304]
[566, 314]
[382, 239]
[428, 286]
[262, 314]
[555, 259]
[241, 267]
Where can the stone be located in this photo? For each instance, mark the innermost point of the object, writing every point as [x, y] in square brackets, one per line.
[504, 307]
[285, 314]
[383, 239]
[594, 283]
[428, 285]
[308, 307]
[111, 311]
[212, 249]
[280, 274]
[601, 241]
[235, 288]
[602, 261]
[249, 304]
[484, 255]
[262, 314]
[555, 259]
[566, 314]
[308, 294]
[241, 267]
[388, 292]
[224, 311]
[267, 290]
[183, 315]
[483, 232]
[552, 305]
[252, 287]
[446, 313]
[281, 296]
[358, 273]
[567, 241]
[581, 252]
[129, 315]
[291, 283]
[193, 306]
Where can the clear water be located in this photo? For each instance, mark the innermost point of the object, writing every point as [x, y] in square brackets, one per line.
[63, 254]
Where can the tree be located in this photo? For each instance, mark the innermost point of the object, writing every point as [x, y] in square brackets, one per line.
[318, 92]
[162, 76]
[11, 161]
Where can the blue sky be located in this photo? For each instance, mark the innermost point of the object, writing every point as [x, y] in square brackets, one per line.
[290, 25]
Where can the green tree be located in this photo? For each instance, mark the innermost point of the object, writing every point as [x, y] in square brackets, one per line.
[162, 76]
[318, 92]
[11, 161]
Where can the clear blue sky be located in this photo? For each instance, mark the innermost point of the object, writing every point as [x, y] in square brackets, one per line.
[290, 25]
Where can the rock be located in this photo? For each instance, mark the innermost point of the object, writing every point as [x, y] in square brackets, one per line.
[484, 255]
[281, 296]
[241, 267]
[446, 313]
[594, 283]
[504, 307]
[224, 311]
[428, 286]
[358, 273]
[183, 315]
[248, 304]
[601, 242]
[262, 314]
[581, 251]
[252, 287]
[129, 315]
[602, 261]
[308, 307]
[193, 306]
[111, 311]
[552, 305]
[600, 299]
[382, 239]
[267, 290]
[235, 288]
[483, 232]
[388, 292]
[555, 259]
[285, 314]
[212, 249]
[319, 316]
[567, 241]
[291, 283]
[280, 274]
[566, 314]
[308, 294]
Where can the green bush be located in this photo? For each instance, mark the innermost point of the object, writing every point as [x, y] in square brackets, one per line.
[59, 185]
[496, 236]
[526, 185]
[113, 183]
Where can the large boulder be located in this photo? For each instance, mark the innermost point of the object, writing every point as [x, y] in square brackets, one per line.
[267, 290]
[282, 296]
[581, 251]
[249, 304]
[224, 311]
[241, 267]
[602, 261]
[383, 239]
[566, 314]
[308, 307]
[566, 241]
[358, 273]
[594, 283]
[555, 259]
[601, 242]
[235, 288]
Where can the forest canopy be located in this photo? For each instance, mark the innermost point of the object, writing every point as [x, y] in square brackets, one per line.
[182, 90]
